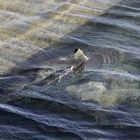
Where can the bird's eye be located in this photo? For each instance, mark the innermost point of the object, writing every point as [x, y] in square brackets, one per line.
[75, 50]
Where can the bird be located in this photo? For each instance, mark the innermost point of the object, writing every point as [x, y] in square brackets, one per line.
[80, 60]
[75, 64]
[78, 63]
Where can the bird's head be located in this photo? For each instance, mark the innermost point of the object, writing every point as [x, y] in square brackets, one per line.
[79, 55]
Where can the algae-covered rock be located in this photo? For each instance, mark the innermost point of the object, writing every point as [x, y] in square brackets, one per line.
[96, 91]
[88, 91]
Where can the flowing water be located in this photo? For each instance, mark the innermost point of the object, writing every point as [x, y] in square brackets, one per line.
[37, 37]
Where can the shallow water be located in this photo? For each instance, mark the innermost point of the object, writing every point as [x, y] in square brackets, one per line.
[36, 40]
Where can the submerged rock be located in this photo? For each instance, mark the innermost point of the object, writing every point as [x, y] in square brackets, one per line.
[87, 91]
[96, 91]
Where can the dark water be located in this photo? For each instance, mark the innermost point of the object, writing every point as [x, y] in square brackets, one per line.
[36, 39]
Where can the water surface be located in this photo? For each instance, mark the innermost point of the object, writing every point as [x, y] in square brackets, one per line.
[36, 37]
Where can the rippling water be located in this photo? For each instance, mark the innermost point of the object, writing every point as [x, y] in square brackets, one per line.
[36, 39]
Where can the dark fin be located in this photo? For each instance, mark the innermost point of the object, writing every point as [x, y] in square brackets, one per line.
[75, 50]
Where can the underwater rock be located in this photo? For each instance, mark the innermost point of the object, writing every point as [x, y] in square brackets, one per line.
[97, 92]
[87, 91]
